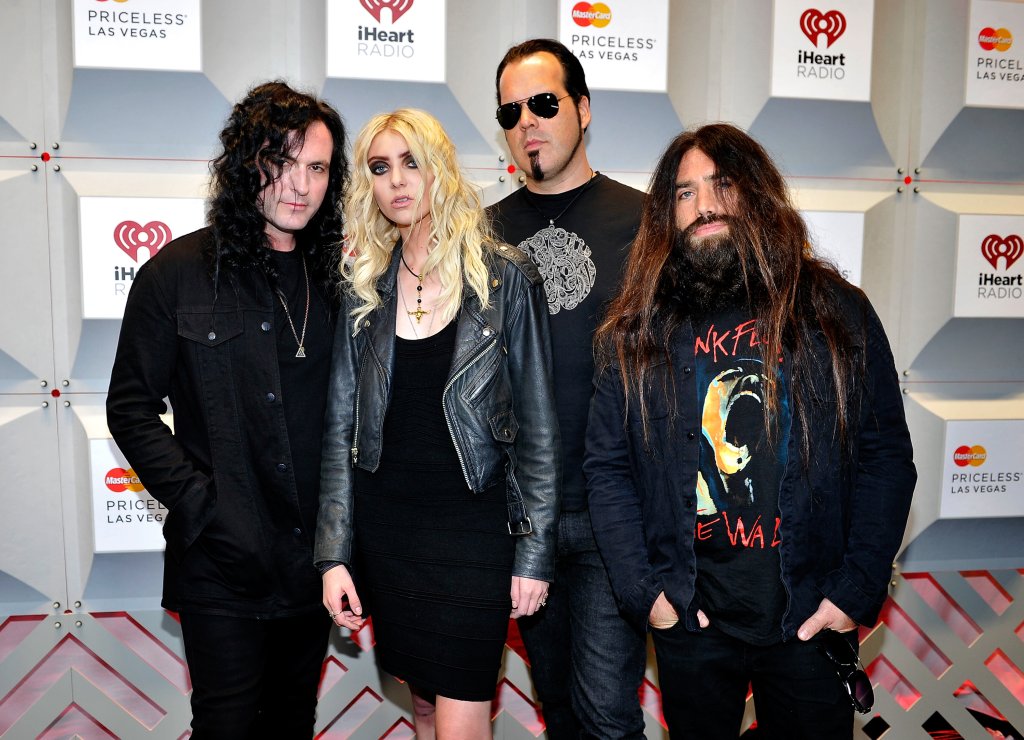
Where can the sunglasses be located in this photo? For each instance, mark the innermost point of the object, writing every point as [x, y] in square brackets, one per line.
[849, 669]
[544, 105]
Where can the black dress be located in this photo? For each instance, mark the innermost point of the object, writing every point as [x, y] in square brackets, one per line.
[433, 559]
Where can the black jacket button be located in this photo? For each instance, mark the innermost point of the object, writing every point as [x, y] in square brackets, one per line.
[282, 468]
[265, 326]
[271, 397]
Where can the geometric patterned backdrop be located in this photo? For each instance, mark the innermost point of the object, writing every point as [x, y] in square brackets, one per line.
[945, 659]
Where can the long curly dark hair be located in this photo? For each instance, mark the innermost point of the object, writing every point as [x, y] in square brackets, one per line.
[262, 131]
[791, 293]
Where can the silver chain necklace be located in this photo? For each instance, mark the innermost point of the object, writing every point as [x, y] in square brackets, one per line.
[299, 340]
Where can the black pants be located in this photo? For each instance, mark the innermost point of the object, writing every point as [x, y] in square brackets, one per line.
[704, 677]
[254, 678]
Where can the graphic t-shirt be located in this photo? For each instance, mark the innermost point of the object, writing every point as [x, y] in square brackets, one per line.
[736, 541]
[580, 258]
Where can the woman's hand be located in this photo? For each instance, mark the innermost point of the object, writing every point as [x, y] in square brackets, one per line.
[528, 595]
[338, 587]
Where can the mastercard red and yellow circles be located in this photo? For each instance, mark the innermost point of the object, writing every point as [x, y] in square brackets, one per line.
[597, 15]
[120, 480]
[973, 456]
[999, 39]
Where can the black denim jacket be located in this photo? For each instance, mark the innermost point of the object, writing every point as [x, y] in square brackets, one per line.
[225, 474]
[498, 404]
[843, 513]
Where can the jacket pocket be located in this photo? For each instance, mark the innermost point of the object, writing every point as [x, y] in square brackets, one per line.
[210, 329]
[189, 517]
[487, 375]
[504, 426]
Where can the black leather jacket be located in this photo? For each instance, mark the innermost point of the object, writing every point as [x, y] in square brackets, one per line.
[500, 378]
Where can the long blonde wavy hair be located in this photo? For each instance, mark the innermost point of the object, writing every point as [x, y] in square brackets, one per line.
[457, 223]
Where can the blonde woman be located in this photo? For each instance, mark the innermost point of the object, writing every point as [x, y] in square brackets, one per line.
[440, 474]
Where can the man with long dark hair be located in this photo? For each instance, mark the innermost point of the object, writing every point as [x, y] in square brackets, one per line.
[576, 224]
[748, 460]
[234, 325]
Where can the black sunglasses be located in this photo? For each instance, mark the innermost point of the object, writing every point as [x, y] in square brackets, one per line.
[544, 105]
[849, 669]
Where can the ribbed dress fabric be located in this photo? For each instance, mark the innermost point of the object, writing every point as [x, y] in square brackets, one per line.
[433, 559]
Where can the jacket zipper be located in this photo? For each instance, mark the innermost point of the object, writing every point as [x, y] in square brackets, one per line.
[354, 451]
[447, 418]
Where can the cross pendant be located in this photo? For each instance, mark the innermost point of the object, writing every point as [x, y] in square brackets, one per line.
[418, 313]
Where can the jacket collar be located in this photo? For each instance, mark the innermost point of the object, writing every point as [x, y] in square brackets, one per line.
[386, 282]
[473, 329]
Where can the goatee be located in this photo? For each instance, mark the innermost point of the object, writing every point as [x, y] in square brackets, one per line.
[537, 172]
[711, 278]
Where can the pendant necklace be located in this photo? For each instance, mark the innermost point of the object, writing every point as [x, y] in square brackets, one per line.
[409, 314]
[299, 339]
[420, 311]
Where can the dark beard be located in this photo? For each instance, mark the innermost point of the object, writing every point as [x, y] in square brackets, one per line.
[535, 169]
[710, 276]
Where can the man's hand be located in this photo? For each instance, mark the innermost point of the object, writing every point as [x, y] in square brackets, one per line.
[663, 615]
[828, 616]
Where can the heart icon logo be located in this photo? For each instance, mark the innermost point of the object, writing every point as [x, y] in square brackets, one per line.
[398, 8]
[814, 23]
[131, 236]
[1009, 248]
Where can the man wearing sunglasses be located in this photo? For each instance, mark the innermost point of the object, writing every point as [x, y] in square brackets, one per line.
[576, 224]
[748, 461]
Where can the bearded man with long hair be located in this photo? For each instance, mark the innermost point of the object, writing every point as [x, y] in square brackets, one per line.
[234, 324]
[748, 461]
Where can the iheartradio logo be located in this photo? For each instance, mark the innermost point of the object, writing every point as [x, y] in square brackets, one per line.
[1006, 248]
[814, 24]
[973, 456]
[398, 8]
[999, 39]
[120, 480]
[597, 15]
[132, 236]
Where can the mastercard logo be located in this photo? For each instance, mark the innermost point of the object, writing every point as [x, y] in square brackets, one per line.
[973, 456]
[999, 39]
[120, 480]
[597, 15]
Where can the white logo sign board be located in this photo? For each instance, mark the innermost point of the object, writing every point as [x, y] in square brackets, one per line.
[622, 45]
[983, 472]
[125, 517]
[138, 34]
[989, 266]
[839, 237]
[995, 57]
[386, 39]
[822, 51]
[118, 236]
